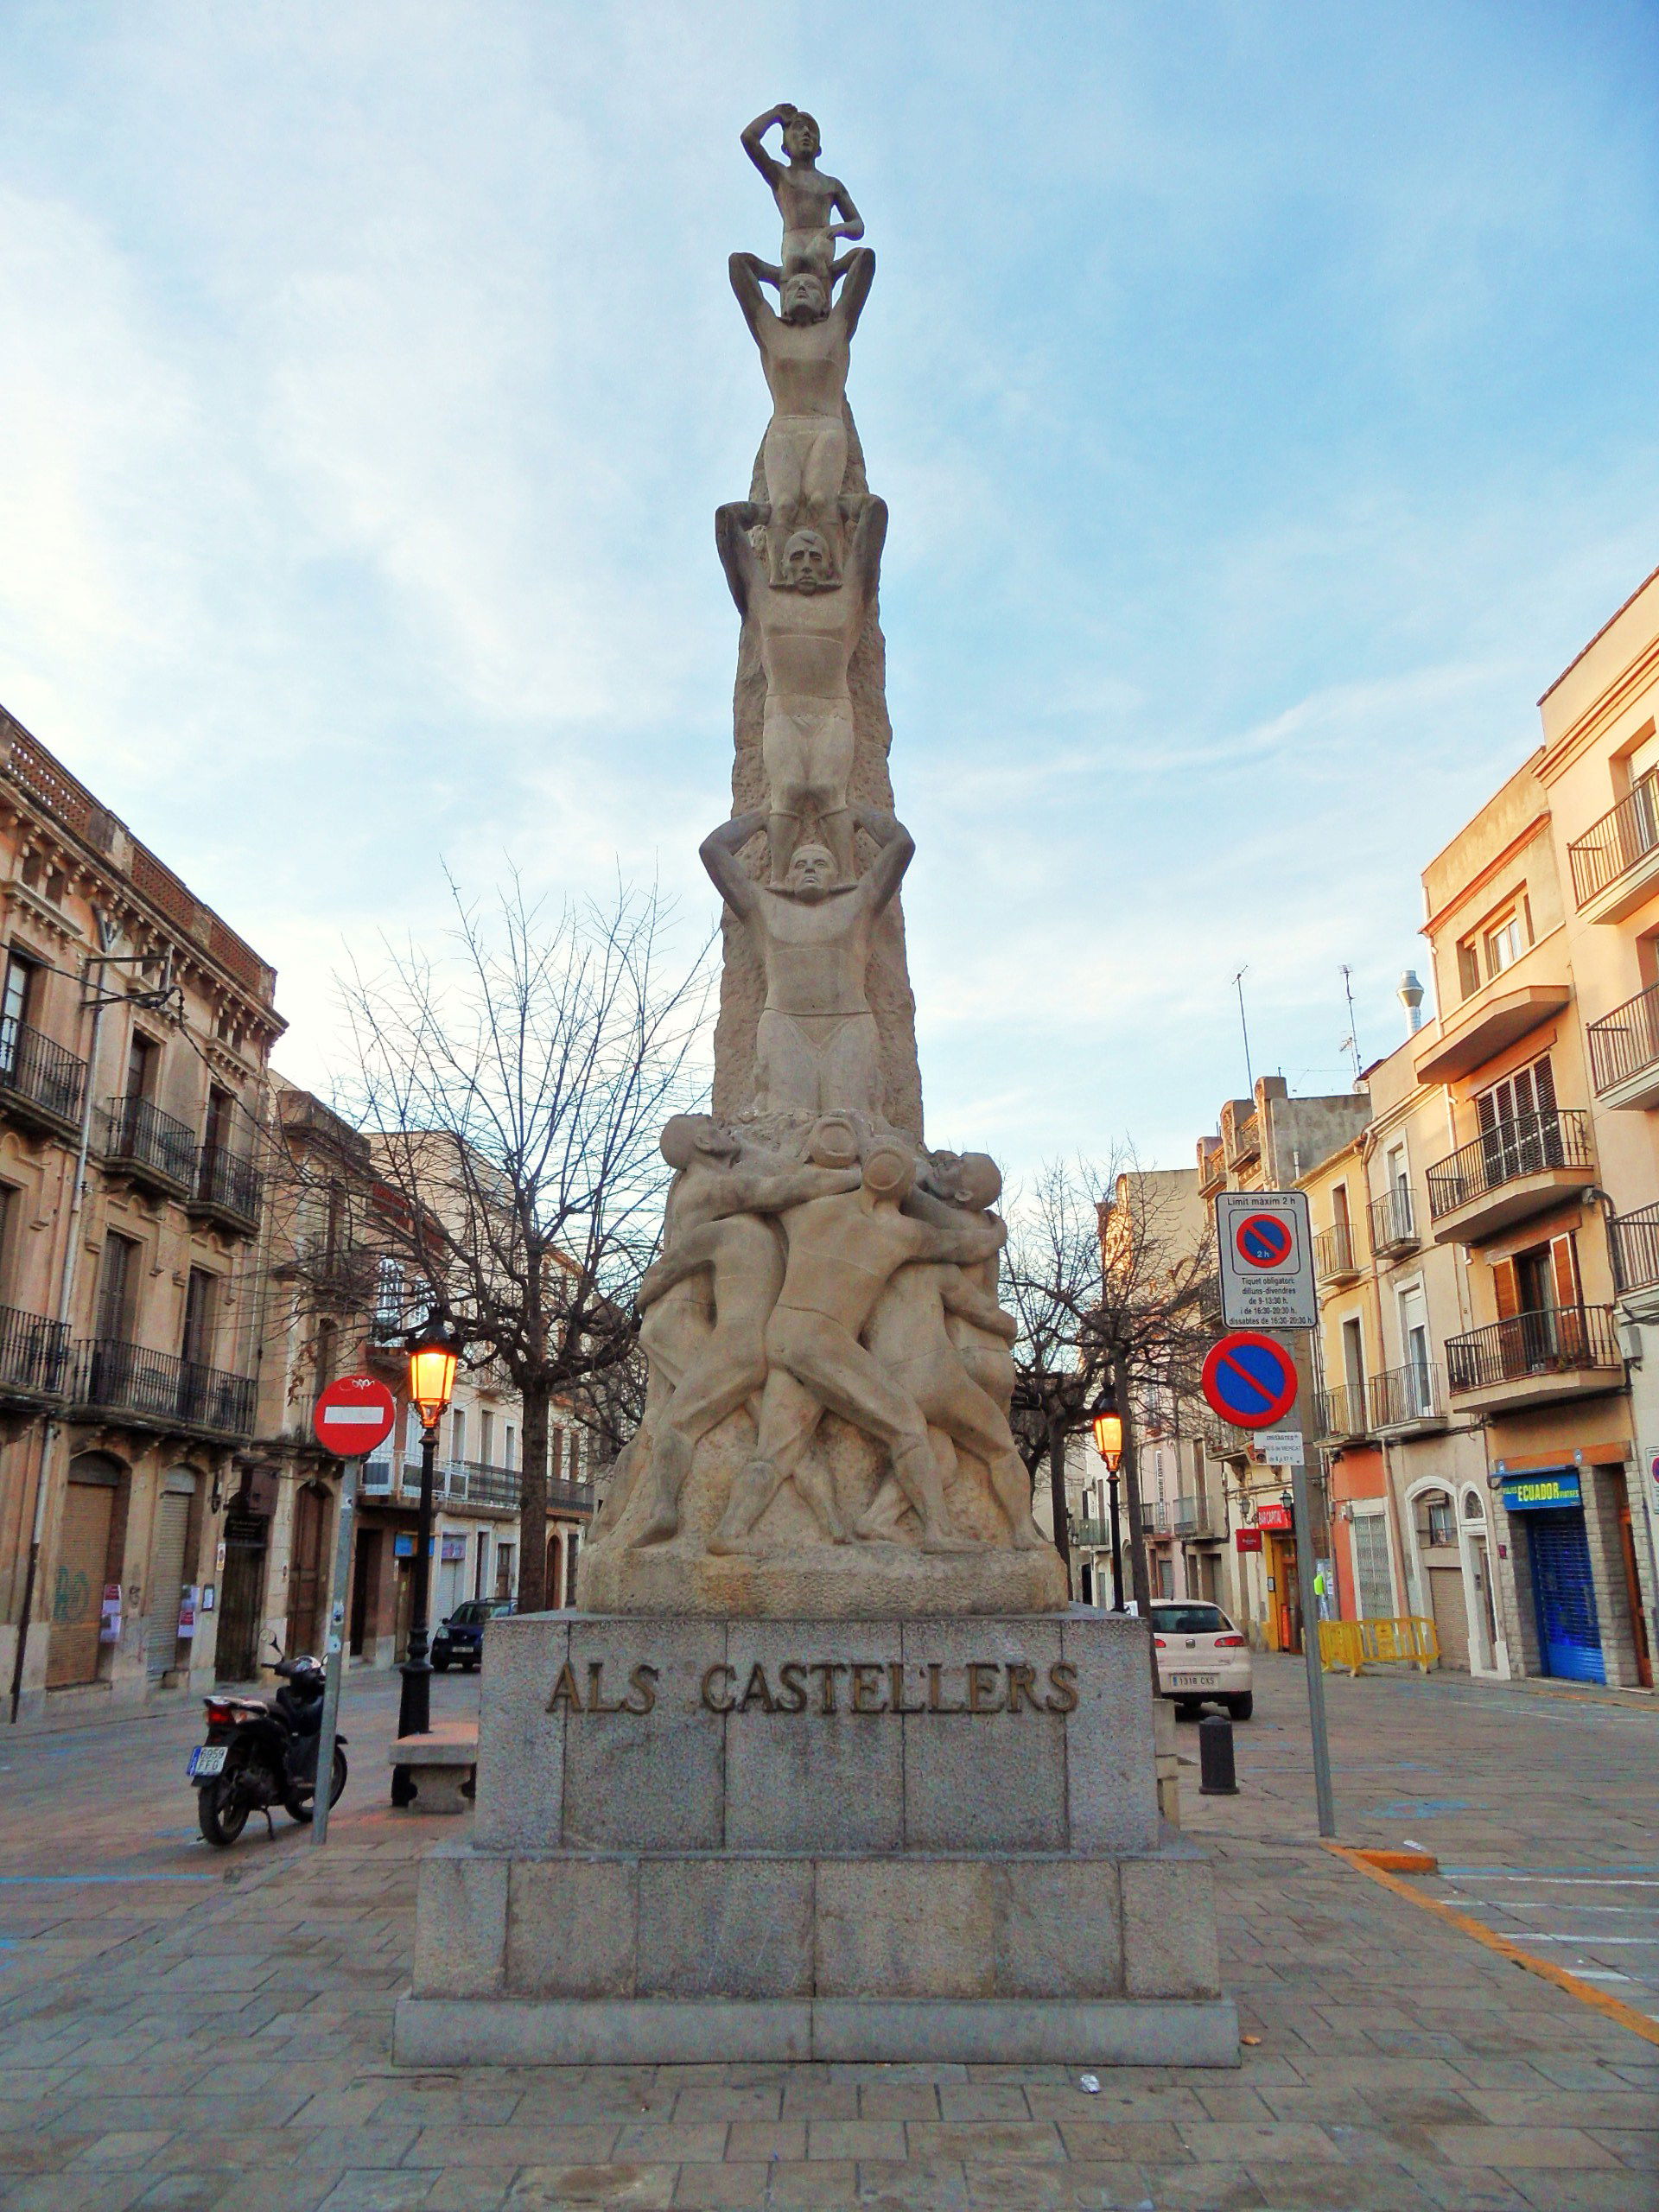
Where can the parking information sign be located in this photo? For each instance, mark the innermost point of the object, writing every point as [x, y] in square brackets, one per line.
[1265, 1247]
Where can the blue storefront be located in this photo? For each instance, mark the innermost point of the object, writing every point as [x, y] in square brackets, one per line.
[1550, 1504]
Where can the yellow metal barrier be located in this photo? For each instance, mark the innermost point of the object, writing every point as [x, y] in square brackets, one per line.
[1351, 1643]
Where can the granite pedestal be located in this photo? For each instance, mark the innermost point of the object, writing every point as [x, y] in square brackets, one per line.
[880, 1839]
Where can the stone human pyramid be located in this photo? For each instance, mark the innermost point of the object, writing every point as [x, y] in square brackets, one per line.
[826, 1433]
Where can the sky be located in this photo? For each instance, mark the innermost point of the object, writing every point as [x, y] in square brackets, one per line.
[1263, 396]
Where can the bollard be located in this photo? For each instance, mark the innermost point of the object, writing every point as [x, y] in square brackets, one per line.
[1216, 1778]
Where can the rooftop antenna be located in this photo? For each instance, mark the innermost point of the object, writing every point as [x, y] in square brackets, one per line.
[1351, 1041]
[1239, 985]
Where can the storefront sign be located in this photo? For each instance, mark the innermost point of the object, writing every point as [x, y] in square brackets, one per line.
[402, 1544]
[1275, 1516]
[1530, 1493]
[454, 1546]
[1246, 1540]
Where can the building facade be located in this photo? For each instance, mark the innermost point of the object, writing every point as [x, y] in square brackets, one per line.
[135, 1035]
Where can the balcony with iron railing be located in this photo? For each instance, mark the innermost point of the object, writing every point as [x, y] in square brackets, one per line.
[228, 1190]
[1394, 1224]
[111, 1376]
[1616, 862]
[468, 1482]
[1092, 1536]
[1509, 1171]
[1405, 1399]
[1194, 1516]
[1334, 1262]
[1538, 1358]
[140, 1141]
[1624, 1052]
[1222, 1440]
[32, 1353]
[41, 1085]
[1342, 1415]
[1636, 1249]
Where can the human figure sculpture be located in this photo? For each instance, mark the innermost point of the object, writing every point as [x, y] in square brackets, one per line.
[806, 198]
[720, 1201]
[805, 351]
[809, 634]
[909, 1335]
[842, 1252]
[816, 1044]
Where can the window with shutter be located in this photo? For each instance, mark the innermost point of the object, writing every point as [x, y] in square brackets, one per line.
[1505, 1288]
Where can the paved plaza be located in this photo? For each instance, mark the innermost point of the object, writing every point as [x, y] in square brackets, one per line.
[186, 2029]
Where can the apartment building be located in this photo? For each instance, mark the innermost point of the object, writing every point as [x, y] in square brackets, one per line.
[134, 1034]
[1599, 768]
[1411, 1521]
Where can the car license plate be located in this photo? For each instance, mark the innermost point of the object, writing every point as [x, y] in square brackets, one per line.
[208, 1758]
[1194, 1681]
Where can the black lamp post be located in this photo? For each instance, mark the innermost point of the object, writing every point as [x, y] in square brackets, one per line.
[1108, 1442]
[434, 1354]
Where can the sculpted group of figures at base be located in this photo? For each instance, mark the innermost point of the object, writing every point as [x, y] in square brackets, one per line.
[805, 561]
[831, 1268]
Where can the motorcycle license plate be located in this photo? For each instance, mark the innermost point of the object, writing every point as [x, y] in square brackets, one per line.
[208, 1758]
[1195, 1681]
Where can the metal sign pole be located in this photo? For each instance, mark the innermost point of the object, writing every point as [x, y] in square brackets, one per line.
[1304, 1520]
[335, 1643]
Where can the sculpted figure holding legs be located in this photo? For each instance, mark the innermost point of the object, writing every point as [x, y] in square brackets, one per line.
[720, 1201]
[809, 634]
[842, 1252]
[909, 1334]
[805, 352]
[816, 1046]
[806, 198]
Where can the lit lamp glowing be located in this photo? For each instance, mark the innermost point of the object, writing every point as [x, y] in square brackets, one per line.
[1108, 1442]
[433, 1356]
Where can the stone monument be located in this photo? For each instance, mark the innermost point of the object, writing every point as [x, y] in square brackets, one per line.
[828, 1766]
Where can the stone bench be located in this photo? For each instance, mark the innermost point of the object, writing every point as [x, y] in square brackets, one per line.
[441, 1766]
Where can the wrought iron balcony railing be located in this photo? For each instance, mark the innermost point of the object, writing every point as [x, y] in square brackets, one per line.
[1342, 1414]
[1505, 1153]
[1557, 1340]
[1333, 1252]
[35, 1071]
[1394, 1221]
[1611, 847]
[1635, 1248]
[32, 1350]
[1625, 1042]
[116, 1377]
[139, 1135]
[228, 1186]
[1401, 1396]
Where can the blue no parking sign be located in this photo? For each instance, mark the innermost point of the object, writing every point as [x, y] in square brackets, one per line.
[1249, 1379]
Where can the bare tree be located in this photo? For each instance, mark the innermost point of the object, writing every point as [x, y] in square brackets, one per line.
[1108, 1272]
[515, 1088]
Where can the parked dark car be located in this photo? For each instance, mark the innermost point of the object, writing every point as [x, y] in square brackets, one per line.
[459, 1641]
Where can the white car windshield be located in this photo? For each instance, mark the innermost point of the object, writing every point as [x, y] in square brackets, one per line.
[1190, 1620]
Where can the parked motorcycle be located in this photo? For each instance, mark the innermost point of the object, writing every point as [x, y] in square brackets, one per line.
[259, 1755]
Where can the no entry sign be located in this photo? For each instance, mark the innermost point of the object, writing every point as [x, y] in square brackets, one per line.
[1249, 1379]
[353, 1415]
[1264, 1247]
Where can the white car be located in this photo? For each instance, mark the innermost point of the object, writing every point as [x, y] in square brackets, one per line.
[1202, 1658]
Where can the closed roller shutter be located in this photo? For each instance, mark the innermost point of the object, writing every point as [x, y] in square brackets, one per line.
[1569, 1632]
[166, 1584]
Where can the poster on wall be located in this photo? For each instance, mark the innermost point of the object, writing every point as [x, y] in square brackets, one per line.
[188, 1612]
[109, 1619]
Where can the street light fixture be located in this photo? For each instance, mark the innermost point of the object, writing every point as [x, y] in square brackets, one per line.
[1108, 1442]
[433, 1355]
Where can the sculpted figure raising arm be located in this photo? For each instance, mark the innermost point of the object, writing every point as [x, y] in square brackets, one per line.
[806, 198]
[816, 1044]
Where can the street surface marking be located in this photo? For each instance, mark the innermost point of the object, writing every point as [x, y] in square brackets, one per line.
[1612, 2008]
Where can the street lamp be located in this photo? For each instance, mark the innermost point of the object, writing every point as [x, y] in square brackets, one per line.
[434, 1354]
[1108, 1442]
